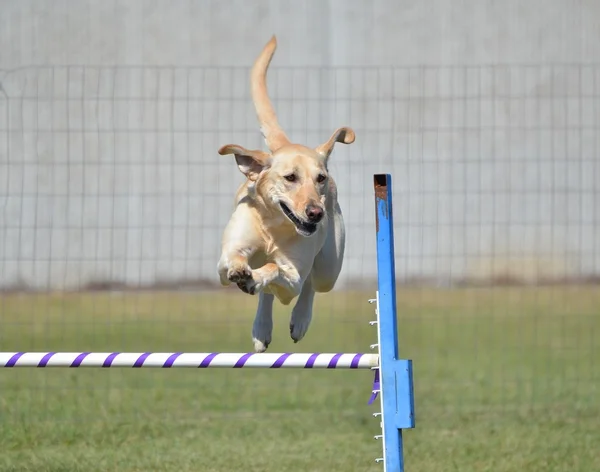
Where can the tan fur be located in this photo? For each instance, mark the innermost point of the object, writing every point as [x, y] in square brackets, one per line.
[285, 238]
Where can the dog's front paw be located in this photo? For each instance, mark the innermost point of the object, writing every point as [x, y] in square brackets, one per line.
[246, 280]
[242, 277]
[253, 284]
[247, 286]
[239, 274]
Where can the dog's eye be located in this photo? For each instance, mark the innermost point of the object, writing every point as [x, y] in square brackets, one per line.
[321, 178]
[290, 177]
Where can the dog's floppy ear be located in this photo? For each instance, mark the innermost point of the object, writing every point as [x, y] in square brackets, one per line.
[340, 135]
[250, 162]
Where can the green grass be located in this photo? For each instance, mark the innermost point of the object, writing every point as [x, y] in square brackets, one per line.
[506, 380]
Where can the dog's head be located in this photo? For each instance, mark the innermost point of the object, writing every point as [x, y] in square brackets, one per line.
[291, 178]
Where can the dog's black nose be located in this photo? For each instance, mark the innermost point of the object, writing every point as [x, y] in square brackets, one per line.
[314, 213]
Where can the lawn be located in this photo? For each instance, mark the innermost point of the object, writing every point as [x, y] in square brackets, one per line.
[506, 380]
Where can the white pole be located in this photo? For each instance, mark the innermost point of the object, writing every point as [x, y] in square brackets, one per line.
[190, 359]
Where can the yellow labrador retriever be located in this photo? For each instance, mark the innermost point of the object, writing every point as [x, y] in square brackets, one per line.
[286, 236]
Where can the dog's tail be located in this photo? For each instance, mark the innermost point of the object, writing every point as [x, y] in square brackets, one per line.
[274, 135]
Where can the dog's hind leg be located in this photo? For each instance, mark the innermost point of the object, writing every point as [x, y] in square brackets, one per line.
[302, 312]
[262, 328]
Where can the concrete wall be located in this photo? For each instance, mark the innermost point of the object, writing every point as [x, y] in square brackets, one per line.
[312, 32]
[111, 113]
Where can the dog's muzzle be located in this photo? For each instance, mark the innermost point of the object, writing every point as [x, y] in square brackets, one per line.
[314, 213]
[304, 228]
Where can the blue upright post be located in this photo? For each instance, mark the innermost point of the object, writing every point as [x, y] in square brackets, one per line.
[396, 386]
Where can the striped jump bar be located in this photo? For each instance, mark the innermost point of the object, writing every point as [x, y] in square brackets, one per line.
[190, 359]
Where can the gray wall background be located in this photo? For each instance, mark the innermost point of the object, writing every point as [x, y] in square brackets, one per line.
[485, 112]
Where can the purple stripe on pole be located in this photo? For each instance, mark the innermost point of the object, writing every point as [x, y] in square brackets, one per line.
[45, 359]
[139, 362]
[13, 360]
[333, 362]
[355, 361]
[311, 361]
[242, 360]
[208, 359]
[280, 360]
[169, 362]
[79, 359]
[109, 360]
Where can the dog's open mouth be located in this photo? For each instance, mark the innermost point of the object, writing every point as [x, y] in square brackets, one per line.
[304, 228]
